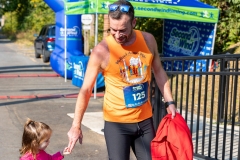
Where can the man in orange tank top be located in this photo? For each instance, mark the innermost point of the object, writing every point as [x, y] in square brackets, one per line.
[126, 59]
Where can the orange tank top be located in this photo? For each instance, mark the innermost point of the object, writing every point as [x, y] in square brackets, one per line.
[127, 81]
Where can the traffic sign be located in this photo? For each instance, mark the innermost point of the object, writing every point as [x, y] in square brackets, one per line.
[86, 19]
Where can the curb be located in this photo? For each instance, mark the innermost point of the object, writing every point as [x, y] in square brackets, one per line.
[28, 75]
[45, 96]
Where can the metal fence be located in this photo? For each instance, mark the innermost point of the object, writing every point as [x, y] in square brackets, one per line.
[208, 97]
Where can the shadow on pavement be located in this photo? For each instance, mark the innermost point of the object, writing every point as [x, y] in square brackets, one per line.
[27, 68]
[5, 39]
[57, 89]
[20, 101]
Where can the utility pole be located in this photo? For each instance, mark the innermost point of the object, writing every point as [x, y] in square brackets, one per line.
[106, 26]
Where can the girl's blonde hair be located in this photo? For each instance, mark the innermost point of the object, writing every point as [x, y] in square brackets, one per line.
[33, 135]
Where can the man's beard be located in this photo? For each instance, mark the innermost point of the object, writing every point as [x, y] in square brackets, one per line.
[126, 38]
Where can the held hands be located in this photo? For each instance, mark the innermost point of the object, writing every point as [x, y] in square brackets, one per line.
[65, 151]
[74, 134]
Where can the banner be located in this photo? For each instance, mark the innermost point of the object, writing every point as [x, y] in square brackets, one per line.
[148, 9]
[186, 38]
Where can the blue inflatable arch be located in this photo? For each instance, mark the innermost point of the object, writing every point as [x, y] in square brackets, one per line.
[74, 39]
[65, 57]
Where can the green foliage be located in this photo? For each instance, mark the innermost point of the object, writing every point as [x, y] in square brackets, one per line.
[10, 26]
[100, 32]
[29, 16]
[35, 22]
[153, 26]
[228, 25]
[26, 16]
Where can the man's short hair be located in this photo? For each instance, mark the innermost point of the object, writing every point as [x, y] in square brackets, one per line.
[118, 13]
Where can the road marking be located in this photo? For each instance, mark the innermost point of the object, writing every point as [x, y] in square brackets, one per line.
[92, 120]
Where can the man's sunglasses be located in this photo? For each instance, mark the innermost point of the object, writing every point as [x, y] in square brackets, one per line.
[122, 8]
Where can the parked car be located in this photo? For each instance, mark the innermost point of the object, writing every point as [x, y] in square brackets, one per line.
[45, 42]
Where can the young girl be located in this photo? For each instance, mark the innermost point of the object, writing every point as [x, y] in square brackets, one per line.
[35, 139]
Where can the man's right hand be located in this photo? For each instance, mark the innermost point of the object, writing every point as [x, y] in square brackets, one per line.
[74, 134]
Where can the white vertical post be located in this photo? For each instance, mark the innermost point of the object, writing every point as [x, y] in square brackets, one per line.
[96, 41]
[65, 44]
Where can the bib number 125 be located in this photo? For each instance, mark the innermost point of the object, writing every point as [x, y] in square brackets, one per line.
[139, 96]
[136, 95]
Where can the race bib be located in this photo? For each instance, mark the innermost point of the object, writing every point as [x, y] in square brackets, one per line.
[136, 95]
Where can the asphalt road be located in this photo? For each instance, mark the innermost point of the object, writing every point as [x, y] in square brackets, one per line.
[30, 89]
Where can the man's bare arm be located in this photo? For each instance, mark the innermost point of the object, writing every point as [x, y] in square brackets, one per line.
[95, 63]
[94, 66]
[160, 74]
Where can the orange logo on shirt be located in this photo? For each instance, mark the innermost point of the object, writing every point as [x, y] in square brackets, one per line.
[132, 67]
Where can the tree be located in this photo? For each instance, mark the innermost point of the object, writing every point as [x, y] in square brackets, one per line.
[154, 26]
[228, 25]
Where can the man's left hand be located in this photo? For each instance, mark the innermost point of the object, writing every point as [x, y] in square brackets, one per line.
[172, 110]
